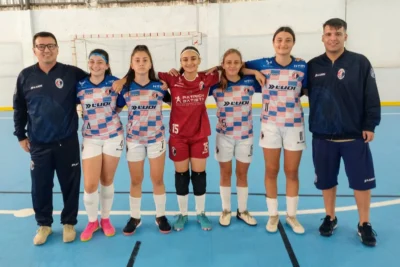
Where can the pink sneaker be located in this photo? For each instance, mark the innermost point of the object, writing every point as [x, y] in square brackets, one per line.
[89, 230]
[108, 229]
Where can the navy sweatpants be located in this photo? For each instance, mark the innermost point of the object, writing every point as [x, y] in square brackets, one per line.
[63, 158]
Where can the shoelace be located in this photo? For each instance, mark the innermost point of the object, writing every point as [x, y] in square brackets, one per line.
[107, 224]
[246, 214]
[225, 213]
[91, 226]
[204, 218]
[274, 219]
[294, 221]
[133, 221]
[327, 222]
[162, 220]
[180, 218]
[369, 231]
[41, 229]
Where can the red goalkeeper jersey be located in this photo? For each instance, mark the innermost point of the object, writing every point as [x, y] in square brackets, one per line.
[189, 117]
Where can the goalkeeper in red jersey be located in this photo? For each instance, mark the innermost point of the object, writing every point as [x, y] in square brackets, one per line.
[189, 131]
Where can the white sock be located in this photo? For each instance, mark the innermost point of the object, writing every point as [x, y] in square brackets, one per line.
[183, 204]
[106, 200]
[225, 192]
[91, 202]
[160, 201]
[200, 203]
[134, 204]
[291, 205]
[272, 205]
[242, 195]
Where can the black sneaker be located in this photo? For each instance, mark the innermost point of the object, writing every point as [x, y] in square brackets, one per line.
[131, 226]
[163, 224]
[327, 227]
[367, 234]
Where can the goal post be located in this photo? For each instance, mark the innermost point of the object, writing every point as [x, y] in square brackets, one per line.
[164, 47]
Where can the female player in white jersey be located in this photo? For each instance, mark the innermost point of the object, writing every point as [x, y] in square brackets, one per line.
[282, 123]
[143, 96]
[233, 96]
[102, 141]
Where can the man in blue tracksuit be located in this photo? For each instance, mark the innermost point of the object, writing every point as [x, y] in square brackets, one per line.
[45, 100]
[344, 111]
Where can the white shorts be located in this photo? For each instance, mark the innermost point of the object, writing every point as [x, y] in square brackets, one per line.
[227, 148]
[290, 138]
[137, 152]
[95, 147]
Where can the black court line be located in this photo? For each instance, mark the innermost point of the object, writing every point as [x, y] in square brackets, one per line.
[217, 193]
[134, 254]
[288, 246]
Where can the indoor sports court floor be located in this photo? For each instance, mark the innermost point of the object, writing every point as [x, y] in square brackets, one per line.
[237, 245]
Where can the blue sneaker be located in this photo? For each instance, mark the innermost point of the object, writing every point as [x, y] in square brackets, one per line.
[204, 221]
[180, 222]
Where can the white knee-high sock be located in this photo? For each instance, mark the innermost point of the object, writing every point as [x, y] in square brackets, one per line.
[106, 200]
[291, 205]
[183, 204]
[200, 203]
[134, 204]
[160, 201]
[272, 205]
[242, 196]
[91, 202]
[225, 192]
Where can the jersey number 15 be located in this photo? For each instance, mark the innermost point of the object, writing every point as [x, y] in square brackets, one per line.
[175, 128]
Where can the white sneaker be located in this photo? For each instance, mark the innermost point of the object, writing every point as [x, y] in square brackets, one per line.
[294, 223]
[246, 217]
[272, 225]
[225, 218]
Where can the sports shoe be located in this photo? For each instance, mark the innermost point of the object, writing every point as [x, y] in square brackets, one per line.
[91, 227]
[41, 235]
[295, 225]
[163, 224]
[108, 228]
[225, 218]
[204, 221]
[272, 224]
[69, 233]
[328, 226]
[179, 224]
[246, 217]
[367, 234]
[131, 226]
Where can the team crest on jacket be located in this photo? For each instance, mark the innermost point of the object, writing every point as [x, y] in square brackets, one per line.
[59, 83]
[341, 73]
[372, 72]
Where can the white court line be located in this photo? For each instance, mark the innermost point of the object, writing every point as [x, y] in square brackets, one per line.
[254, 115]
[29, 212]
